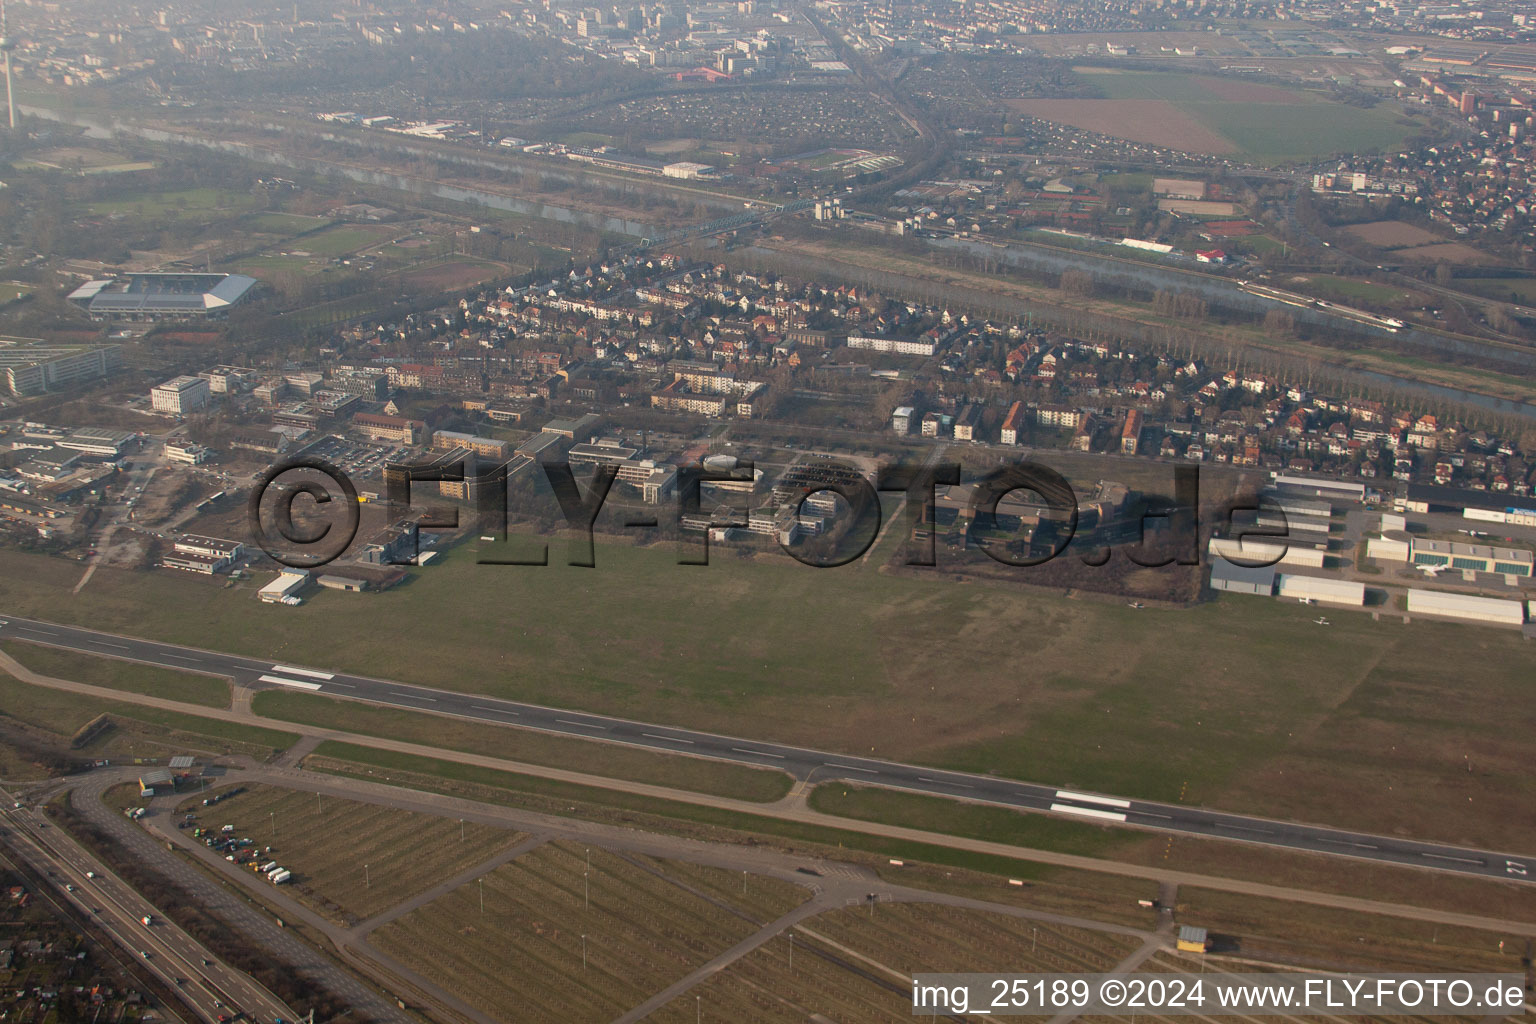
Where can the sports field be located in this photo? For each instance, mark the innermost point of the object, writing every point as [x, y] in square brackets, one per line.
[1354, 725]
[1210, 114]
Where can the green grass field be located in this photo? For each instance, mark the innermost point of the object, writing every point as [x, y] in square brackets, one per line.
[343, 239]
[10, 291]
[1294, 125]
[1239, 703]
[188, 687]
[691, 773]
[62, 714]
[285, 224]
[180, 204]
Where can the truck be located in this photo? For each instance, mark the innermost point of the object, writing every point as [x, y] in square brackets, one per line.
[280, 876]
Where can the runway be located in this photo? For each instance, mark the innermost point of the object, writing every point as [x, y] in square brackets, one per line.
[805, 764]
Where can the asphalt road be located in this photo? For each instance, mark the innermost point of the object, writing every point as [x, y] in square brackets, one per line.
[809, 765]
[211, 987]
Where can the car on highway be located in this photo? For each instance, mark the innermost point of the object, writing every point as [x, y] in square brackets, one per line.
[144, 953]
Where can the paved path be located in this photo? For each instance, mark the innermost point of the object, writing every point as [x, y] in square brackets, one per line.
[800, 814]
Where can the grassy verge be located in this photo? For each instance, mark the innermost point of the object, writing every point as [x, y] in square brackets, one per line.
[1104, 897]
[1292, 932]
[187, 687]
[62, 714]
[975, 821]
[607, 759]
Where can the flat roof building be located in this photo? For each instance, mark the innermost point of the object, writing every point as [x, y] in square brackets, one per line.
[1490, 610]
[1241, 579]
[34, 369]
[1322, 590]
[180, 395]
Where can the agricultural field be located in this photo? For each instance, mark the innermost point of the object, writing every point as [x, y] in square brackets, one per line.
[188, 204]
[1447, 252]
[351, 860]
[1521, 290]
[82, 160]
[1351, 289]
[453, 274]
[853, 965]
[646, 923]
[1392, 234]
[1209, 114]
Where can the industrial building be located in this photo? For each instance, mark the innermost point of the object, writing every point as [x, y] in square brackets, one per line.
[98, 442]
[36, 369]
[154, 297]
[1319, 487]
[1240, 579]
[1257, 550]
[285, 588]
[1483, 506]
[180, 395]
[1399, 546]
[1490, 610]
[1322, 590]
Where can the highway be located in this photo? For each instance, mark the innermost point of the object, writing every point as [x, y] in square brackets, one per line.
[209, 986]
[802, 763]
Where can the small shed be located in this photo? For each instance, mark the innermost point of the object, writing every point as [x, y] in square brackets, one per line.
[155, 780]
[1192, 939]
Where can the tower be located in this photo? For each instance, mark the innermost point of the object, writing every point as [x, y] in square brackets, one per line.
[5, 46]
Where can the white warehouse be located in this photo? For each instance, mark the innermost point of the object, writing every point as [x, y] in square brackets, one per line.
[1491, 610]
[1254, 550]
[1322, 589]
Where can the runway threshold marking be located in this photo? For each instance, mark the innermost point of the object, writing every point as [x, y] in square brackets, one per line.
[302, 684]
[1089, 798]
[302, 672]
[1087, 812]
